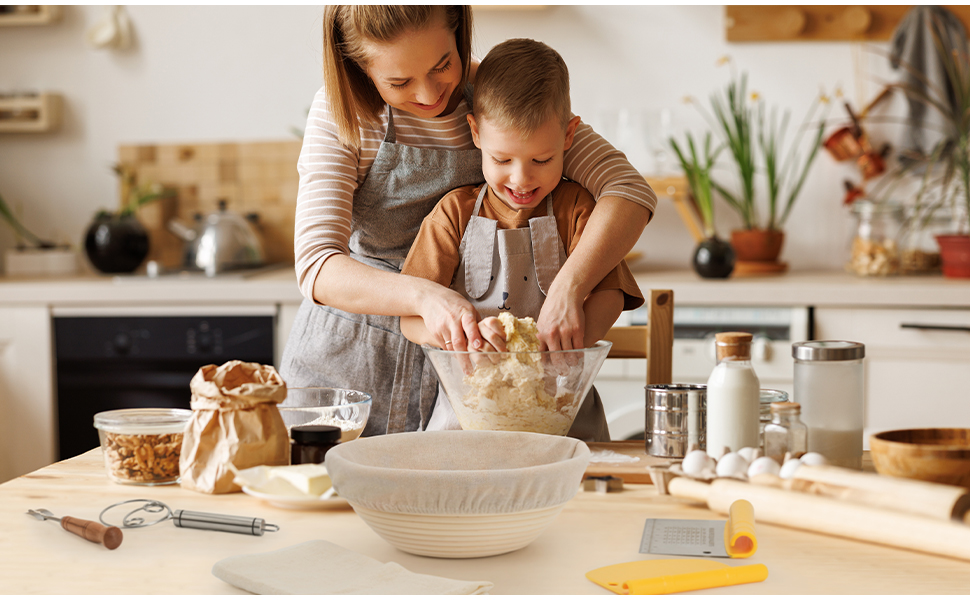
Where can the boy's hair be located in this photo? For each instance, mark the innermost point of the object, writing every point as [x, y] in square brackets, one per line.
[346, 28]
[520, 84]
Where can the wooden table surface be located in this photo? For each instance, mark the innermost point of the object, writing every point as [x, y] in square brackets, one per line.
[594, 530]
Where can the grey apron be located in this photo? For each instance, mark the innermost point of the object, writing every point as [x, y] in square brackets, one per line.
[510, 270]
[329, 347]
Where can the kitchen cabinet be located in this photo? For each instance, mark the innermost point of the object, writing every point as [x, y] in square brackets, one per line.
[917, 365]
[26, 390]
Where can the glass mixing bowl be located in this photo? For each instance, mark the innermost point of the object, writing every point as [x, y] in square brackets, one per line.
[346, 409]
[539, 392]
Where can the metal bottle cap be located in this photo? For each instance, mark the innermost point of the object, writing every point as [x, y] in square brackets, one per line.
[825, 350]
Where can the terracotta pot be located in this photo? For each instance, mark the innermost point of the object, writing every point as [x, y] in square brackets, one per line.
[955, 254]
[757, 245]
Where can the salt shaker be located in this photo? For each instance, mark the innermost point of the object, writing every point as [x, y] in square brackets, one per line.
[830, 387]
[786, 433]
[733, 396]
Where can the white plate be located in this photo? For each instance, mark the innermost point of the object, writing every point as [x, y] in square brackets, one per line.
[271, 493]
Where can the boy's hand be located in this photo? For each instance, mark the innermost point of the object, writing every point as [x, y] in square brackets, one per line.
[493, 332]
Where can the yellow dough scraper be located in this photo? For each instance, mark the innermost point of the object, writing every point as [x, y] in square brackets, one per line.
[674, 575]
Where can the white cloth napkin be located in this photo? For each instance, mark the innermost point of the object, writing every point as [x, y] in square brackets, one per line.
[319, 567]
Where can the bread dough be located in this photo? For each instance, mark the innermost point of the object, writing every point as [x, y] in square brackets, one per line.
[515, 393]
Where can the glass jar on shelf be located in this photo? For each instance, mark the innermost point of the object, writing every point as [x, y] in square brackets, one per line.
[875, 242]
[919, 251]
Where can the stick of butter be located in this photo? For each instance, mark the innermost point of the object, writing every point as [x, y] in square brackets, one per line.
[310, 479]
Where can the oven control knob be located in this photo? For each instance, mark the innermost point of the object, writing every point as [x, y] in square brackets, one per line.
[122, 343]
[204, 341]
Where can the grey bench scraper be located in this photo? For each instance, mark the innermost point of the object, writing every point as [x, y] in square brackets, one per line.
[684, 537]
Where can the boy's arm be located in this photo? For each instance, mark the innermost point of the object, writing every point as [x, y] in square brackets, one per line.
[602, 310]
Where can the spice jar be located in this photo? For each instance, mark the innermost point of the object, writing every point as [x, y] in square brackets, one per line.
[830, 387]
[786, 433]
[733, 394]
[764, 410]
[875, 245]
[309, 443]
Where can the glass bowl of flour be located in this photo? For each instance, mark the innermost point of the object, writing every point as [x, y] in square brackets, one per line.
[346, 409]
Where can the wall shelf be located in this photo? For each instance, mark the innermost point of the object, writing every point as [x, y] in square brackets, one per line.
[30, 114]
[819, 23]
[30, 15]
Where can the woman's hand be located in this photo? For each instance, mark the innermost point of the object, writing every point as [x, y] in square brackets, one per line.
[450, 318]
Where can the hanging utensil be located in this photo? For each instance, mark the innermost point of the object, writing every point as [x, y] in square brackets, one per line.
[110, 537]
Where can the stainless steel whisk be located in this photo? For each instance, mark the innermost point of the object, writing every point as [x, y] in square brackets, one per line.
[188, 518]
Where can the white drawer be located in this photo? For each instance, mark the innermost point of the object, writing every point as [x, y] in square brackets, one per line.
[887, 328]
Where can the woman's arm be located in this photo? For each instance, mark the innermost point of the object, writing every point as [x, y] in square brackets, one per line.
[624, 205]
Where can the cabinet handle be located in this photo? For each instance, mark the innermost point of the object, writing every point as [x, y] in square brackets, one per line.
[935, 327]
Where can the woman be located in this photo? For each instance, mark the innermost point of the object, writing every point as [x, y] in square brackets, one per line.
[386, 138]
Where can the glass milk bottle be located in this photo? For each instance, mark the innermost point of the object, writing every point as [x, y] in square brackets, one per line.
[830, 387]
[733, 396]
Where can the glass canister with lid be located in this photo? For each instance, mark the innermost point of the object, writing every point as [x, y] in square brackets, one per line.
[875, 243]
[830, 388]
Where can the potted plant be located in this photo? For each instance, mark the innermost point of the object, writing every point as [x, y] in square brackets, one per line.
[33, 255]
[946, 167]
[749, 132]
[116, 242]
[714, 257]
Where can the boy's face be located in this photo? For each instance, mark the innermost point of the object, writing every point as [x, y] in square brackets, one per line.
[522, 169]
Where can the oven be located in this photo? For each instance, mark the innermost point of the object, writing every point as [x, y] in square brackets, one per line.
[115, 358]
[621, 382]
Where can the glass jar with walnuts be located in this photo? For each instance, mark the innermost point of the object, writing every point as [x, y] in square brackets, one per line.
[874, 250]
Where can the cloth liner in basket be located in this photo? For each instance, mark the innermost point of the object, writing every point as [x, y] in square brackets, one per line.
[458, 472]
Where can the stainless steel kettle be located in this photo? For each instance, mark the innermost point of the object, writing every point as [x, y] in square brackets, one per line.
[221, 241]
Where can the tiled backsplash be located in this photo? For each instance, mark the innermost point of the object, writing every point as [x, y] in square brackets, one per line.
[252, 177]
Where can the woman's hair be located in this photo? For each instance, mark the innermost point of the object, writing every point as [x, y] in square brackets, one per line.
[346, 28]
[502, 98]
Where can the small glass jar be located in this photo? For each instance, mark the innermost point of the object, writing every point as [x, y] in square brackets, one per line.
[919, 251]
[309, 443]
[830, 387]
[875, 242]
[785, 434]
[142, 446]
[764, 416]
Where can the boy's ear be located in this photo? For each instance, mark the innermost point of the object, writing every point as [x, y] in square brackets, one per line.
[474, 127]
[570, 132]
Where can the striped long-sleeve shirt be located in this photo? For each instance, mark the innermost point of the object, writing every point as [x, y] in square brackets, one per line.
[330, 174]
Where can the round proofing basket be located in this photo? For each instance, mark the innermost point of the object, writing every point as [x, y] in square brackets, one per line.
[458, 494]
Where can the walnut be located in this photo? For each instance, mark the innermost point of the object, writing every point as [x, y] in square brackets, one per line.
[145, 458]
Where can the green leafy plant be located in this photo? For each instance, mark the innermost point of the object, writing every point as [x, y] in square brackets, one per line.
[134, 195]
[785, 176]
[697, 170]
[7, 215]
[734, 119]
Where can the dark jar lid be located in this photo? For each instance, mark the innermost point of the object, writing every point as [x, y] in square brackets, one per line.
[315, 434]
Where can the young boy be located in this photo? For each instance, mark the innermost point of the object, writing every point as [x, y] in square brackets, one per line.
[502, 243]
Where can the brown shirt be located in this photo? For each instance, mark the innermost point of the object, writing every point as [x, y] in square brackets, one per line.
[434, 254]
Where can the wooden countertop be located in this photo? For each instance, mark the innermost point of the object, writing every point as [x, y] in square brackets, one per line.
[594, 530]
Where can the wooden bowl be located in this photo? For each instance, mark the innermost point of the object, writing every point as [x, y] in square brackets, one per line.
[936, 455]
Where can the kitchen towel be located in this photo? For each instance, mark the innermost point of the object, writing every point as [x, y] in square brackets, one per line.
[319, 567]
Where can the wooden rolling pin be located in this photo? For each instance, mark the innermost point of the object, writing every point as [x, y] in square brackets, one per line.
[819, 514]
[934, 500]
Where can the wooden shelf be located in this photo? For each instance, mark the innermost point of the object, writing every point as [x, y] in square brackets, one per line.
[678, 191]
[819, 23]
[28, 114]
[37, 15]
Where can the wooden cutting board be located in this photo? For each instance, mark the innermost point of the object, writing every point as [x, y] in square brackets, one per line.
[629, 472]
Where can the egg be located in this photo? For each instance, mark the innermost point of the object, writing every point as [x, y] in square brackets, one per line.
[763, 465]
[749, 453]
[788, 469]
[814, 459]
[696, 463]
[732, 464]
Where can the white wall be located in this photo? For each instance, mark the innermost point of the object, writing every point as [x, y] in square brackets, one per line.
[219, 73]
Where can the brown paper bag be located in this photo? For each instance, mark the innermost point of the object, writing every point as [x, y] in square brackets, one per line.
[235, 422]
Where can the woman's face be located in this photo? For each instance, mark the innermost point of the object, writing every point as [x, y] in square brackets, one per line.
[418, 72]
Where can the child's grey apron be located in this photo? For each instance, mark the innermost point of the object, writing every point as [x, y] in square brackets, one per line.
[333, 348]
[510, 270]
